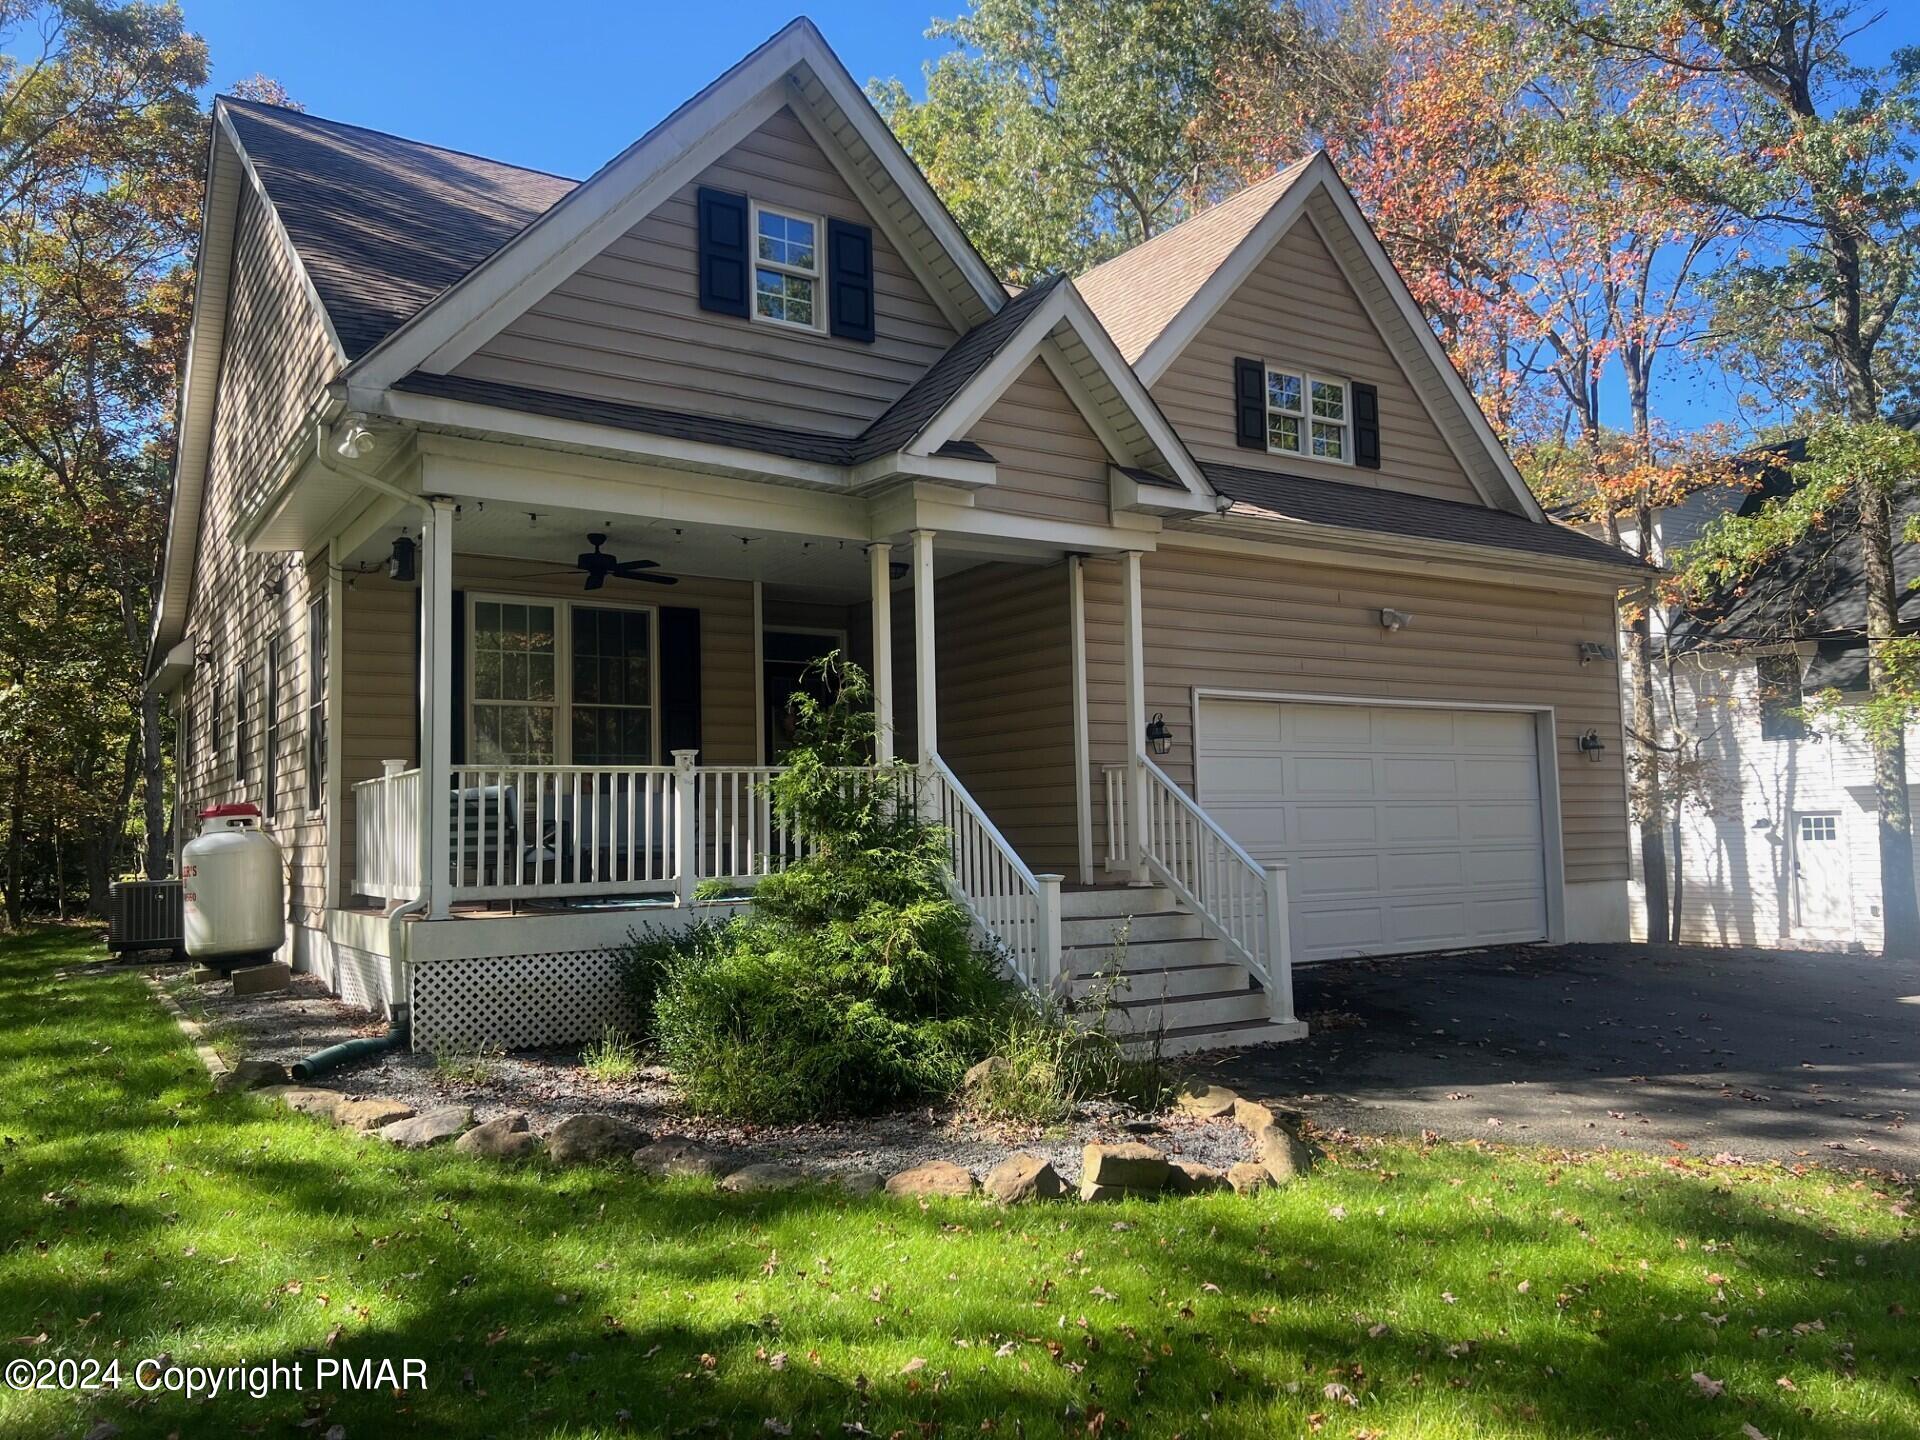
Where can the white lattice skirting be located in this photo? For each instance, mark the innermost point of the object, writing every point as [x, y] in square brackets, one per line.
[514, 1002]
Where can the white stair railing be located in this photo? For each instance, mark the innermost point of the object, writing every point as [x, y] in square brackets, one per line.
[1017, 910]
[1238, 899]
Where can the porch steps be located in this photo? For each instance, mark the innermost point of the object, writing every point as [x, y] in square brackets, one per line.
[1174, 980]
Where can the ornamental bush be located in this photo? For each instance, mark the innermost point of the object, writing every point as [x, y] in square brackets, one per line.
[852, 983]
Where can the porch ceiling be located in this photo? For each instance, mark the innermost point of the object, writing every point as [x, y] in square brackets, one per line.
[826, 569]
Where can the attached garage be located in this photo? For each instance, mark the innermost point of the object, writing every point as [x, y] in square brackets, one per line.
[1403, 827]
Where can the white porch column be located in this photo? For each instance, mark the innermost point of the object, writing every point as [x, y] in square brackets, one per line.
[1082, 738]
[1133, 645]
[436, 702]
[925, 707]
[880, 581]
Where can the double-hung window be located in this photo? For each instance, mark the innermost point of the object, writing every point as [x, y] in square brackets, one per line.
[317, 677]
[555, 683]
[786, 268]
[270, 762]
[242, 728]
[1309, 414]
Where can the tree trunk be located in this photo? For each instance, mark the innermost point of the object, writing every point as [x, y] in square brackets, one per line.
[16, 844]
[1897, 899]
[1648, 802]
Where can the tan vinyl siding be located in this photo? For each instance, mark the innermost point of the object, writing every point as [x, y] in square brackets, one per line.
[1051, 464]
[1296, 309]
[380, 708]
[1240, 622]
[1003, 679]
[277, 358]
[628, 325]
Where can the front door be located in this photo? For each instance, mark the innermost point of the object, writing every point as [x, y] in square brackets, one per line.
[788, 658]
[1823, 903]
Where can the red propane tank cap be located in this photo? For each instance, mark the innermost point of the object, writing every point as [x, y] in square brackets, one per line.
[226, 812]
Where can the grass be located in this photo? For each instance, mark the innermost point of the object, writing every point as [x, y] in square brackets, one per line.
[1403, 1292]
[613, 1059]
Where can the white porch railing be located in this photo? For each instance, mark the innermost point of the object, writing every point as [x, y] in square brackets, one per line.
[386, 835]
[1018, 910]
[1238, 900]
[528, 831]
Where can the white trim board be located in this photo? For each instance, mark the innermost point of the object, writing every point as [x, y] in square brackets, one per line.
[1546, 750]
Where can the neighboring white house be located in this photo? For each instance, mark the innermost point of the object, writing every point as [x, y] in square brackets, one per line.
[1779, 841]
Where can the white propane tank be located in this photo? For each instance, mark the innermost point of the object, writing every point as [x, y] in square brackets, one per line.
[231, 887]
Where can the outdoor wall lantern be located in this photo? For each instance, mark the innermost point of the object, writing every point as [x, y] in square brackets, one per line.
[1592, 746]
[1159, 737]
[203, 652]
[1392, 619]
[400, 562]
[1591, 650]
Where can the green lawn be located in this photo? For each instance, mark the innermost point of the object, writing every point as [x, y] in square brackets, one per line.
[1456, 1291]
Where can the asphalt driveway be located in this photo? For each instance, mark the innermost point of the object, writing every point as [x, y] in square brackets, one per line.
[1761, 1054]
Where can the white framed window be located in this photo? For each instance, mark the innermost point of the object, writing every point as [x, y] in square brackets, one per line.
[318, 676]
[554, 682]
[787, 268]
[1309, 414]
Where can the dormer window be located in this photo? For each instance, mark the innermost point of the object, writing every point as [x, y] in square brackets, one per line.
[786, 269]
[1309, 414]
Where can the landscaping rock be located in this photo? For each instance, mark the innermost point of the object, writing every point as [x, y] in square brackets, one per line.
[444, 1123]
[1254, 1117]
[1190, 1177]
[672, 1155]
[261, 979]
[1284, 1154]
[505, 1137]
[986, 1070]
[1093, 1194]
[936, 1177]
[1129, 1166]
[858, 1182]
[253, 1075]
[370, 1114]
[1207, 1102]
[203, 975]
[580, 1139]
[1024, 1177]
[306, 1099]
[1247, 1177]
[756, 1179]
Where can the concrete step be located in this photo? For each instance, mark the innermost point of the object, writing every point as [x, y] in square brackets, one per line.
[1115, 900]
[1216, 1009]
[1141, 955]
[1147, 925]
[1191, 1039]
[1175, 980]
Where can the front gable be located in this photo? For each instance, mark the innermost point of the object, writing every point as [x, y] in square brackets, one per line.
[628, 326]
[1296, 310]
[1051, 465]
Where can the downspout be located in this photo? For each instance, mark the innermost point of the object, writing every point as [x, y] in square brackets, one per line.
[324, 451]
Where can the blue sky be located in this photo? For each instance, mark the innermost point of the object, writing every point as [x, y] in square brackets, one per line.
[564, 85]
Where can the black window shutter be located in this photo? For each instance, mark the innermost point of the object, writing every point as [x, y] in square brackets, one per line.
[679, 680]
[459, 742]
[1250, 404]
[723, 252]
[850, 280]
[1366, 427]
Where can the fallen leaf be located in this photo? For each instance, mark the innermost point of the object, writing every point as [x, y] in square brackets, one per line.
[1708, 1387]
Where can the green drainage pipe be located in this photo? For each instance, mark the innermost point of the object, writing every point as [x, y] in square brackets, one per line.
[346, 1052]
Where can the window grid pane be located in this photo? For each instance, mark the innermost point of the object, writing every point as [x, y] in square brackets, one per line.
[788, 298]
[1329, 400]
[1283, 392]
[1283, 432]
[514, 647]
[1329, 441]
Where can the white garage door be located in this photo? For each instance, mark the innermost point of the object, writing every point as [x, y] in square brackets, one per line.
[1403, 828]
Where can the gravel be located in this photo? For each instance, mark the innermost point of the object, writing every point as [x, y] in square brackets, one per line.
[547, 1085]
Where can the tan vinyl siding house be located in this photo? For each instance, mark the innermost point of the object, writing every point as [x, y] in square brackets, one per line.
[276, 357]
[553, 460]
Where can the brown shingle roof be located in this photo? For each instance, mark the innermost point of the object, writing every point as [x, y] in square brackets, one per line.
[1139, 292]
[383, 224]
[1265, 495]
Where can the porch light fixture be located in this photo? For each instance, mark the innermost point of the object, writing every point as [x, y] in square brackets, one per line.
[356, 443]
[1591, 650]
[203, 652]
[1391, 619]
[1159, 737]
[400, 562]
[1592, 746]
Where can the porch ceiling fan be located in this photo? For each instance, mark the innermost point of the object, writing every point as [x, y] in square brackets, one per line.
[598, 565]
